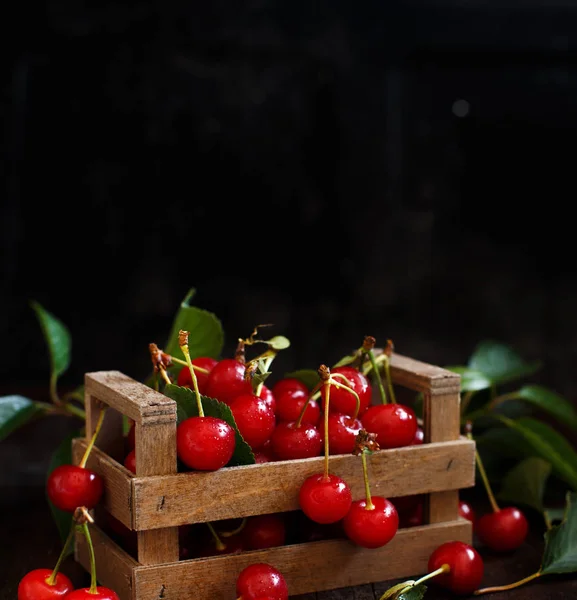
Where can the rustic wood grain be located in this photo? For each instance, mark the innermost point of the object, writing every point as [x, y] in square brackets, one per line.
[130, 397]
[273, 487]
[323, 565]
[156, 455]
[113, 565]
[442, 419]
[422, 377]
[117, 498]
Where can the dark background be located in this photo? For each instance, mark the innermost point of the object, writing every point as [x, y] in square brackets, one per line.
[398, 169]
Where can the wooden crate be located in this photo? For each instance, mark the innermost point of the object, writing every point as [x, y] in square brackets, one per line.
[158, 499]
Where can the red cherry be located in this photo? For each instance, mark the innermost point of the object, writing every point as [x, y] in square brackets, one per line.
[71, 486]
[205, 443]
[503, 530]
[102, 593]
[287, 384]
[419, 437]
[34, 586]
[261, 579]
[342, 432]
[371, 528]
[466, 567]
[394, 424]
[325, 500]
[466, 511]
[184, 378]
[413, 518]
[344, 402]
[407, 505]
[264, 453]
[226, 381]
[290, 442]
[264, 531]
[290, 403]
[270, 399]
[130, 461]
[254, 418]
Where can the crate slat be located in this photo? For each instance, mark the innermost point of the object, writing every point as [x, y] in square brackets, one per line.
[273, 487]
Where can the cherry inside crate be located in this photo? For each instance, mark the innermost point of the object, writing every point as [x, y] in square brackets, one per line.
[158, 499]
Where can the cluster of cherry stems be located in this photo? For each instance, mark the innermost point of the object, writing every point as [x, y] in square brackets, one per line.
[286, 422]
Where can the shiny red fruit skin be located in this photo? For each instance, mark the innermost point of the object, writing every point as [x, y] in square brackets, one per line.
[394, 424]
[261, 579]
[226, 381]
[407, 505]
[413, 518]
[342, 432]
[419, 437]
[102, 593]
[466, 567]
[325, 501]
[184, 378]
[289, 405]
[33, 586]
[205, 443]
[466, 511]
[130, 461]
[270, 399]
[71, 486]
[254, 418]
[502, 531]
[287, 384]
[371, 528]
[289, 442]
[342, 401]
[264, 531]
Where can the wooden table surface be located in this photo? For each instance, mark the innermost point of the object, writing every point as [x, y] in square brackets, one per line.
[29, 539]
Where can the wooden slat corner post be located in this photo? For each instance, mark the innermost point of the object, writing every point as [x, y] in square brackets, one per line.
[154, 415]
[441, 416]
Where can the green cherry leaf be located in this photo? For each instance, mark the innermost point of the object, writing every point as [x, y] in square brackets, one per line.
[57, 338]
[186, 406]
[417, 592]
[309, 377]
[555, 514]
[62, 455]
[500, 363]
[549, 444]
[15, 411]
[550, 402]
[278, 342]
[471, 380]
[560, 553]
[345, 360]
[525, 483]
[206, 335]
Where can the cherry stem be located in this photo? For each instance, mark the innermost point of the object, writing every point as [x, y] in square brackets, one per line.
[185, 364]
[51, 580]
[369, 503]
[444, 568]
[93, 581]
[484, 477]
[346, 387]
[327, 385]
[93, 438]
[387, 364]
[235, 531]
[219, 545]
[510, 586]
[377, 375]
[184, 349]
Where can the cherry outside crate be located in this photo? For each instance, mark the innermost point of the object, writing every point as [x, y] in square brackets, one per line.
[158, 499]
